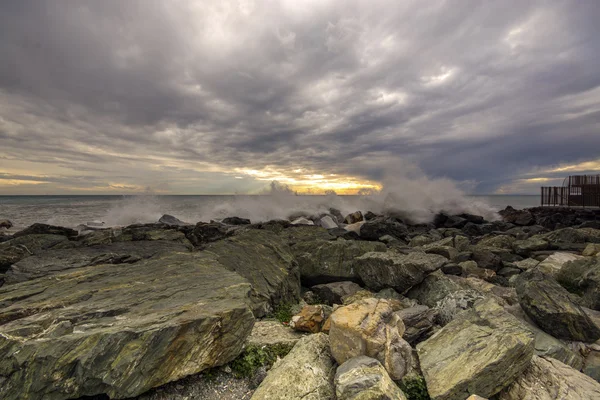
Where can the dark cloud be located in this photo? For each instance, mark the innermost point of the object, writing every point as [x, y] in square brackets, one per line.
[193, 93]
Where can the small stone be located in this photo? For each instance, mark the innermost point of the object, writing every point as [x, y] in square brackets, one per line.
[310, 319]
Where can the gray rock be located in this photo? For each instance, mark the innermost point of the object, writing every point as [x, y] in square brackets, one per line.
[364, 378]
[526, 247]
[272, 333]
[454, 303]
[418, 321]
[572, 235]
[378, 227]
[480, 352]
[550, 306]
[302, 221]
[328, 223]
[583, 278]
[52, 262]
[332, 293]
[137, 326]
[554, 262]
[306, 373]
[486, 259]
[45, 229]
[549, 379]
[507, 272]
[171, 220]
[526, 264]
[517, 217]
[325, 261]
[209, 232]
[18, 248]
[435, 287]
[6, 224]
[353, 218]
[265, 260]
[236, 221]
[398, 271]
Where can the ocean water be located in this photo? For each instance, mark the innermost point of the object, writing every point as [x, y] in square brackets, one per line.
[72, 211]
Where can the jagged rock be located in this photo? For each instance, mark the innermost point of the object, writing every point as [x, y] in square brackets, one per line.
[526, 264]
[526, 247]
[583, 278]
[451, 269]
[21, 247]
[302, 221]
[137, 326]
[398, 271]
[45, 229]
[418, 321]
[444, 247]
[549, 305]
[306, 373]
[332, 293]
[507, 272]
[272, 333]
[486, 259]
[364, 378]
[236, 221]
[370, 215]
[57, 261]
[591, 365]
[328, 223]
[454, 303]
[517, 217]
[470, 268]
[480, 352]
[435, 287]
[337, 214]
[572, 235]
[310, 319]
[140, 232]
[265, 260]
[420, 240]
[378, 227]
[171, 220]
[353, 218]
[323, 261]
[500, 241]
[545, 344]
[297, 234]
[454, 221]
[6, 224]
[591, 250]
[370, 327]
[475, 219]
[554, 262]
[360, 295]
[549, 379]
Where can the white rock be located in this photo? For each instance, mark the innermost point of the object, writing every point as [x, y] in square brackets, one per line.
[328, 223]
[302, 221]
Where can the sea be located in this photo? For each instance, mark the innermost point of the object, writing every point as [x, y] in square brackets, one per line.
[74, 210]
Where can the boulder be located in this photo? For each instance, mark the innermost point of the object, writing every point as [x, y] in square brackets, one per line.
[171, 220]
[454, 303]
[583, 278]
[56, 261]
[18, 248]
[480, 352]
[418, 322]
[549, 379]
[474, 219]
[592, 249]
[547, 345]
[470, 268]
[550, 306]
[554, 262]
[306, 373]
[45, 229]
[486, 259]
[420, 240]
[353, 218]
[302, 221]
[209, 232]
[297, 234]
[395, 270]
[452, 269]
[455, 221]
[272, 333]
[378, 227]
[236, 221]
[500, 241]
[526, 264]
[332, 293]
[5, 224]
[328, 223]
[364, 378]
[526, 247]
[310, 319]
[265, 260]
[137, 326]
[370, 327]
[517, 217]
[572, 235]
[325, 261]
[435, 287]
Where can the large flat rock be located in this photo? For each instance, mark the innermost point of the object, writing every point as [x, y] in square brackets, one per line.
[120, 329]
[55, 261]
[480, 352]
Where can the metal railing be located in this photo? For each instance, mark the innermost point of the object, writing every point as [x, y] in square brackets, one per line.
[581, 191]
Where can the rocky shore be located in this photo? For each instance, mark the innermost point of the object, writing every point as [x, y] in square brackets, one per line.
[361, 306]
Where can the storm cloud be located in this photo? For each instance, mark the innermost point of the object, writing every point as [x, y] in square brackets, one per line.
[192, 96]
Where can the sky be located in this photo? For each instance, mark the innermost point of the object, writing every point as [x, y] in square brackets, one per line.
[219, 97]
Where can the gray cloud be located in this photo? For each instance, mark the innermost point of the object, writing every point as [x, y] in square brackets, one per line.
[180, 94]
